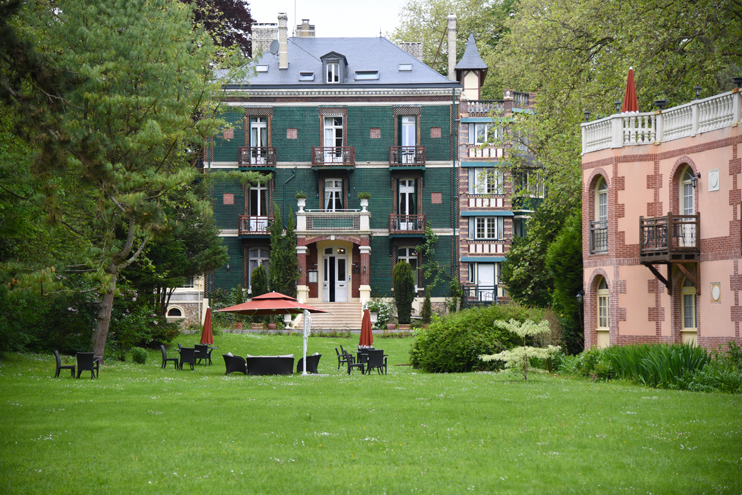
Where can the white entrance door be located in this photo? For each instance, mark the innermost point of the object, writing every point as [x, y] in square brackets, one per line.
[486, 281]
[335, 277]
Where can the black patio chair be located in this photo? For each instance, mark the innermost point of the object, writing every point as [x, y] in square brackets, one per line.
[234, 363]
[352, 364]
[86, 361]
[375, 359]
[61, 367]
[166, 359]
[312, 363]
[187, 355]
[342, 358]
[203, 353]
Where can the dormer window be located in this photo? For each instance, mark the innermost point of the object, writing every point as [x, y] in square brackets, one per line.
[405, 67]
[333, 72]
[334, 66]
[306, 76]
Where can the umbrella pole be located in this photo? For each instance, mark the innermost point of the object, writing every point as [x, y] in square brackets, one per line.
[307, 330]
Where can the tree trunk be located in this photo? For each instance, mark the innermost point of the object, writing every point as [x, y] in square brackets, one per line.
[104, 318]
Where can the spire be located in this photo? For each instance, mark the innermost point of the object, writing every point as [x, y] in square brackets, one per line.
[471, 59]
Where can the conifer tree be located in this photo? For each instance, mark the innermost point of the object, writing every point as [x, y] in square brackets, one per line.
[404, 290]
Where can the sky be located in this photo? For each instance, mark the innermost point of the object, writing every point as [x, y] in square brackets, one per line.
[333, 18]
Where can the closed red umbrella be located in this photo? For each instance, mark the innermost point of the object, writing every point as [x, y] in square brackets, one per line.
[630, 104]
[207, 337]
[367, 335]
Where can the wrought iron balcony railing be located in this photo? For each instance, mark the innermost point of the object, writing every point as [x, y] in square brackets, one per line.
[333, 156]
[669, 236]
[598, 236]
[254, 224]
[479, 294]
[406, 155]
[407, 224]
[257, 156]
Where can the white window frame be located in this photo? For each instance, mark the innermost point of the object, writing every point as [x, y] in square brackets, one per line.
[486, 181]
[491, 227]
[689, 309]
[333, 72]
[534, 184]
[481, 133]
[333, 194]
[603, 299]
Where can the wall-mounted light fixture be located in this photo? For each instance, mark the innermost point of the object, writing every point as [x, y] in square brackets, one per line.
[364, 268]
[694, 180]
[579, 296]
[227, 267]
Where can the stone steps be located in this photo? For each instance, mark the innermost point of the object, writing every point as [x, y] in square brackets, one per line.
[344, 316]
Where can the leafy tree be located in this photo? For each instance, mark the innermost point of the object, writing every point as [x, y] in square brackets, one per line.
[404, 290]
[564, 262]
[519, 358]
[229, 22]
[137, 91]
[427, 20]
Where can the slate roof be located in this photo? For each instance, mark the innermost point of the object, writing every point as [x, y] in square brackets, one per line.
[471, 58]
[361, 54]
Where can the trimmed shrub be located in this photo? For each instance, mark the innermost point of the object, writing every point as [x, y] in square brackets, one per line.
[404, 290]
[427, 310]
[454, 343]
[139, 355]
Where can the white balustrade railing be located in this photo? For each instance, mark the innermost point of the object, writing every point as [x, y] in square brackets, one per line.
[632, 129]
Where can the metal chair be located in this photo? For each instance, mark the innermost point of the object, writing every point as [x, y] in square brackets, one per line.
[187, 355]
[166, 359]
[61, 367]
[86, 361]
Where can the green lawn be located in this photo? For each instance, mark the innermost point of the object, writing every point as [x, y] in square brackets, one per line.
[140, 429]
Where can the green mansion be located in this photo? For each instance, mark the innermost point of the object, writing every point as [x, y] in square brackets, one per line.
[334, 117]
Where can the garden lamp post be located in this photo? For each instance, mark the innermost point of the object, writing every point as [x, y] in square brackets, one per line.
[580, 295]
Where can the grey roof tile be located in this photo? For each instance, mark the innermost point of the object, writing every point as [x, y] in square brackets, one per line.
[471, 58]
[362, 54]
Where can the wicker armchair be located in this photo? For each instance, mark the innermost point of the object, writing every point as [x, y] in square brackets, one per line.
[86, 361]
[312, 362]
[166, 359]
[234, 363]
[61, 367]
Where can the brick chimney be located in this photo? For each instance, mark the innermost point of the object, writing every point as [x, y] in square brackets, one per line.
[452, 47]
[283, 42]
[305, 30]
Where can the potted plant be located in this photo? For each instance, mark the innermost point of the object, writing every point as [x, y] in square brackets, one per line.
[364, 197]
[301, 200]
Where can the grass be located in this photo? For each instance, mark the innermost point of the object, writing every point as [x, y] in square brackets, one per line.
[140, 429]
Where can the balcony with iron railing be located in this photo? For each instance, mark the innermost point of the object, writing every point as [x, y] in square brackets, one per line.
[635, 128]
[256, 156]
[669, 238]
[333, 156]
[254, 225]
[409, 225]
[406, 156]
[598, 236]
[475, 294]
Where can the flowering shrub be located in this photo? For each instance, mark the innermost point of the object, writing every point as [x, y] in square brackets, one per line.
[385, 311]
[520, 357]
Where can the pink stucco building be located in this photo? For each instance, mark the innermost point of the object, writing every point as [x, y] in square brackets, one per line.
[661, 240]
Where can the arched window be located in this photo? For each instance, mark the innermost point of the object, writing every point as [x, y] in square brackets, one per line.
[175, 313]
[688, 303]
[599, 225]
[603, 300]
[686, 233]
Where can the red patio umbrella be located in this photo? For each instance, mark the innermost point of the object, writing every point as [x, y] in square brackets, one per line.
[274, 303]
[630, 103]
[367, 336]
[207, 337]
[270, 304]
